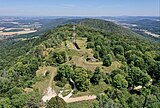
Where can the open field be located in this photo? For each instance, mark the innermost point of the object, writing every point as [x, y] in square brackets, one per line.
[152, 34]
[24, 31]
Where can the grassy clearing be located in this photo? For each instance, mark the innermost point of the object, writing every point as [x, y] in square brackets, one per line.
[73, 52]
[83, 104]
[80, 53]
[81, 62]
[82, 43]
[114, 65]
[41, 85]
[45, 80]
[70, 45]
[79, 57]
[96, 89]
[93, 89]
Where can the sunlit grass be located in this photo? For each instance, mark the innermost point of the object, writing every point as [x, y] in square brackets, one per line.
[82, 104]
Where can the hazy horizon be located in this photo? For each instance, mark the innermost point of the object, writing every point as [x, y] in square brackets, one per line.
[79, 8]
[73, 16]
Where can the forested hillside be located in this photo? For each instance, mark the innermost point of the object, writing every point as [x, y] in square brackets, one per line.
[91, 57]
[108, 27]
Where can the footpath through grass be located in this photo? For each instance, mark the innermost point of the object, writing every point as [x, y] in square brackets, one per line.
[45, 80]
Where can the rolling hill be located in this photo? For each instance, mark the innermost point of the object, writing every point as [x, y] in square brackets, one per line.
[91, 58]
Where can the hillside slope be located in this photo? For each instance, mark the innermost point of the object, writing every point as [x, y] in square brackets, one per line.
[108, 27]
[92, 57]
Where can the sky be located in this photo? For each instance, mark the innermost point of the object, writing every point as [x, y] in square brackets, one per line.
[79, 7]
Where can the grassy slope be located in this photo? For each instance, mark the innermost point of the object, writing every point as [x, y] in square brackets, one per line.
[47, 81]
[83, 104]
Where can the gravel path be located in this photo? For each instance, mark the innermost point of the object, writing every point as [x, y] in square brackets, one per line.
[81, 98]
[51, 93]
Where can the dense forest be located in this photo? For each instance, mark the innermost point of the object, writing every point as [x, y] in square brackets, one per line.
[134, 84]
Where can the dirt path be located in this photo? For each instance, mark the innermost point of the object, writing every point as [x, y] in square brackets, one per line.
[53, 71]
[50, 92]
[68, 98]
[81, 98]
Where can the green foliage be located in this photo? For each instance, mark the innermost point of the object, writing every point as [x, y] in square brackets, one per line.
[103, 101]
[65, 71]
[154, 71]
[82, 104]
[5, 84]
[25, 100]
[120, 57]
[24, 71]
[14, 91]
[39, 51]
[140, 59]
[137, 61]
[107, 60]
[56, 102]
[96, 76]
[81, 79]
[60, 83]
[137, 77]
[107, 26]
[34, 100]
[118, 50]
[11, 50]
[19, 100]
[135, 101]
[119, 81]
[56, 58]
[96, 55]
[90, 45]
[5, 103]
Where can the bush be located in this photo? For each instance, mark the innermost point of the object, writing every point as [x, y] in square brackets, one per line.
[60, 84]
[56, 102]
[107, 60]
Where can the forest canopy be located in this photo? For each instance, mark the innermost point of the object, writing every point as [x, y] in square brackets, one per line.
[139, 59]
